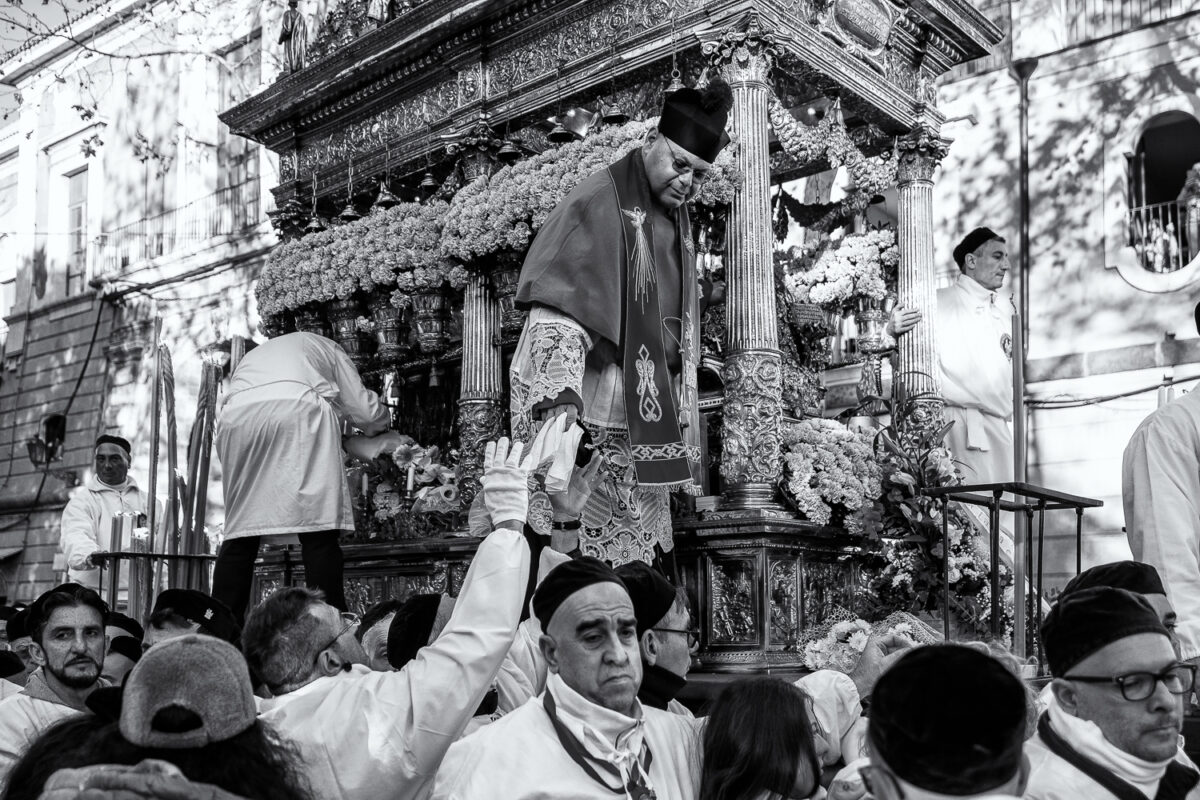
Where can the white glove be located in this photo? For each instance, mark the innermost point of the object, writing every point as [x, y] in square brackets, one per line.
[559, 476]
[504, 489]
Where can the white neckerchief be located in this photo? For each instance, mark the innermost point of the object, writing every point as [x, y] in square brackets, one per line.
[981, 297]
[1087, 738]
[605, 734]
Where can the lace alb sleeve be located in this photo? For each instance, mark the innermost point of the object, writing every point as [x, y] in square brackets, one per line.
[549, 363]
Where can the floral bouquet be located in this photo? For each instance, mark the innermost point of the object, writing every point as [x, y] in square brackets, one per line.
[828, 468]
[840, 642]
[411, 467]
[859, 266]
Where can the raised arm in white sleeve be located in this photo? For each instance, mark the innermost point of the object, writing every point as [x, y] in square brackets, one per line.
[77, 539]
[1160, 477]
[354, 401]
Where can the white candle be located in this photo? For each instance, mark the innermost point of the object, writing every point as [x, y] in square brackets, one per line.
[365, 486]
[412, 469]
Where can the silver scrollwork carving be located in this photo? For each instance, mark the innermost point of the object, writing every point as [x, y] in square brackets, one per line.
[751, 442]
[479, 422]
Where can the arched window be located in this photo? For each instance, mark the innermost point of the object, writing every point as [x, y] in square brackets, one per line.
[1164, 192]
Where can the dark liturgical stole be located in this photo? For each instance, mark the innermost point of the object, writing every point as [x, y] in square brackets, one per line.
[1175, 784]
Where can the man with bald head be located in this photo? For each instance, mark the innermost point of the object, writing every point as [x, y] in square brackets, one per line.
[87, 519]
[587, 735]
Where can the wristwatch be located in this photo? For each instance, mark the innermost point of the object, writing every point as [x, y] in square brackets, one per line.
[569, 525]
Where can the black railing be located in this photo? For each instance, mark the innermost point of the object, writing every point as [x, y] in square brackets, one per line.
[1165, 236]
[1095, 19]
[223, 213]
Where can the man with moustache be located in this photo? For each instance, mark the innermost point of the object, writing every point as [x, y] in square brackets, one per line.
[1119, 688]
[67, 631]
[587, 735]
[87, 519]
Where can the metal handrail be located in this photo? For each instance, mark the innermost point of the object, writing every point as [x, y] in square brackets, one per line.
[223, 213]
[1165, 236]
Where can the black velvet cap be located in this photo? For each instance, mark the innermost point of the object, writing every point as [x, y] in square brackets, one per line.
[968, 742]
[116, 619]
[118, 441]
[1132, 576]
[127, 646]
[1082, 622]
[972, 242]
[213, 616]
[10, 664]
[410, 628]
[651, 593]
[565, 580]
[17, 626]
[695, 119]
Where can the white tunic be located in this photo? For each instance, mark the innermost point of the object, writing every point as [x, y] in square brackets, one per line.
[519, 757]
[1053, 778]
[1160, 488]
[279, 437]
[974, 333]
[367, 735]
[24, 716]
[87, 526]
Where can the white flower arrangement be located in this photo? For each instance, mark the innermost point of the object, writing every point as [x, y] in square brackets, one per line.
[827, 465]
[375, 251]
[842, 646]
[859, 266]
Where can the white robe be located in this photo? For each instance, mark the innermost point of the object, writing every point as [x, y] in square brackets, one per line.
[367, 735]
[974, 333]
[24, 716]
[86, 527]
[279, 437]
[519, 757]
[1053, 778]
[1160, 488]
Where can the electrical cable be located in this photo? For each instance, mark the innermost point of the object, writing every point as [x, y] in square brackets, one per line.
[1069, 402]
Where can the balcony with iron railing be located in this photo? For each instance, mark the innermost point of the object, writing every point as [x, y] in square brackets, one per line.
[1096, 19]
[1165, 236]
[179, 231]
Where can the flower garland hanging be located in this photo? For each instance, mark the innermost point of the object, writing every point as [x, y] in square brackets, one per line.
[829, 140]
[503, 212]
[383, 249]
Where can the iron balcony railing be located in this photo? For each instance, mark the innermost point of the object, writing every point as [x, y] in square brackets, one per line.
[181, 230]
[1095, 19]
[1165, 236]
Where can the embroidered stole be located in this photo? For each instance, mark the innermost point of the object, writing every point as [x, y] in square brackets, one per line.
[1175, 784]
[663, 434]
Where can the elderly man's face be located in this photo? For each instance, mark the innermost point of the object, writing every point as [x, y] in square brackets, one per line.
[72, 646]
[592, 644]
[675, 175]
[1148, 729]
[112, 464]
[375, 644]
[672, 649]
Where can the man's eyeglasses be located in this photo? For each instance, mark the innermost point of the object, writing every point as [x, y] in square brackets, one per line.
[1178, 678]
[680, 164]
[692, 634]
[349, 621]
[880, 784]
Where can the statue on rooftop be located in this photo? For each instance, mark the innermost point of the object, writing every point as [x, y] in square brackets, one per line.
[293, 35]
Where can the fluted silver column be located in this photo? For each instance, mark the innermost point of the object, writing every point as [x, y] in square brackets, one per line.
[919, 154]
[479, 419]
[750, 444]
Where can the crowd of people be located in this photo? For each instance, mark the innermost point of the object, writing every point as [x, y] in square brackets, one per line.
[553, 674]
[567, 685]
